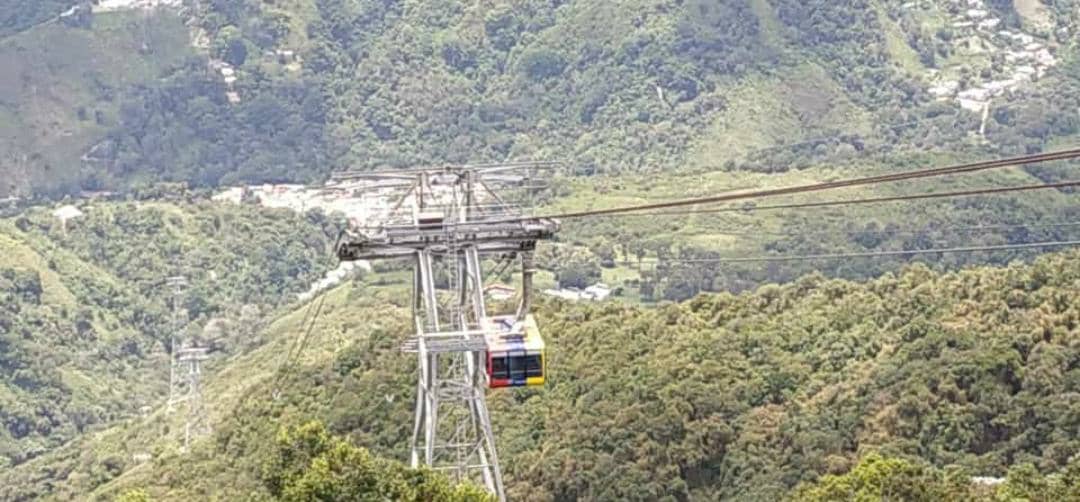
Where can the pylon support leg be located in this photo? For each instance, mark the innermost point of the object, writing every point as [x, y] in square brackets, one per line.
[451, 426]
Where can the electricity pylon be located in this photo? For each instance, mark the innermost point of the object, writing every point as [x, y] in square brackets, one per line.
[450, 216]
[197, 424]
[177, 283]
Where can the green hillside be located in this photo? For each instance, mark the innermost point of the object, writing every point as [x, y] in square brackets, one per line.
[896, 377]
[645, 255]
[62, 89]
[739, 397]
[631, 86]
[19, 16]
[86, 318]
[641, 85]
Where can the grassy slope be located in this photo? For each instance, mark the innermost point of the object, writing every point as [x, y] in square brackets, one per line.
[404, 78]
[107, 268]
[768, 110]
[52, 71]
[241, 378]
[58, 69]
[94, 385]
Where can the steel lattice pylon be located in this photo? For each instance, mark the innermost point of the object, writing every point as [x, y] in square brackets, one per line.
[449, 217]
[177, 283]
[197, 424]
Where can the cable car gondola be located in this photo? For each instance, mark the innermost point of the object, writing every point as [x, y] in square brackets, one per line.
[515, 352]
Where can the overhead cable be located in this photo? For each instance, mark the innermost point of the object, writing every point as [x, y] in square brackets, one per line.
[850, 202]
[869, 254]
[808, 205]
[889, 231]
[292, 358]
[816, 187]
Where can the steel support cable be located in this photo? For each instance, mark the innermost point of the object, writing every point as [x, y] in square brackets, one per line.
[851, 202]
[961, 168]
[844, 202]
[302, 343]
[296, 349]
[294, 356]
[303, 323]
[283, 368]
[886, 231]
[829, 185]
[816, 187]
[311, 326]
[868, 254]
[450, 169]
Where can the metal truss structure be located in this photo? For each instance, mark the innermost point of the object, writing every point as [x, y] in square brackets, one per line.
[447, 220]
[197, 424]
[177, 284]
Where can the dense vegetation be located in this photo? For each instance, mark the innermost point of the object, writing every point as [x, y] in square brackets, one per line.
[18, 15]
[905, 385]
[62, 88]
[86, 317]
[309, 464]
[451, 84]
[618, 88]
[644, 86]
[745, 396]
[877, 478]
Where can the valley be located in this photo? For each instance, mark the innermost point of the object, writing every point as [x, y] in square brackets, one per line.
[804, 346]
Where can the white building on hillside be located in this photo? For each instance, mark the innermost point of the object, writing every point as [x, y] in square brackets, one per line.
[597, 292]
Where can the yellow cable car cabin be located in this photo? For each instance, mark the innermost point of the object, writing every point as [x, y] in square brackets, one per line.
[515, 352]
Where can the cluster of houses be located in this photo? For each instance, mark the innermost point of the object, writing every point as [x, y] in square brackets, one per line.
[976, 31]
[287, 58]
[596, 292]
[116, 5]
[359, 206]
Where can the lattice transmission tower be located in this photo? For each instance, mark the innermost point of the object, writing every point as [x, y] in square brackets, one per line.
[177, 285]
[446, 220]
[197, 424]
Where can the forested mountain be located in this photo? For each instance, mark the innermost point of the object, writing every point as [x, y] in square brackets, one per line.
[291, 90]
[762, 381]
[732, 396]
[87, 316]
[662, 95]
[19, 16]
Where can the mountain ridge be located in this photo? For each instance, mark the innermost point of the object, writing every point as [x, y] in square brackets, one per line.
[923, 375]
[391, 84]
